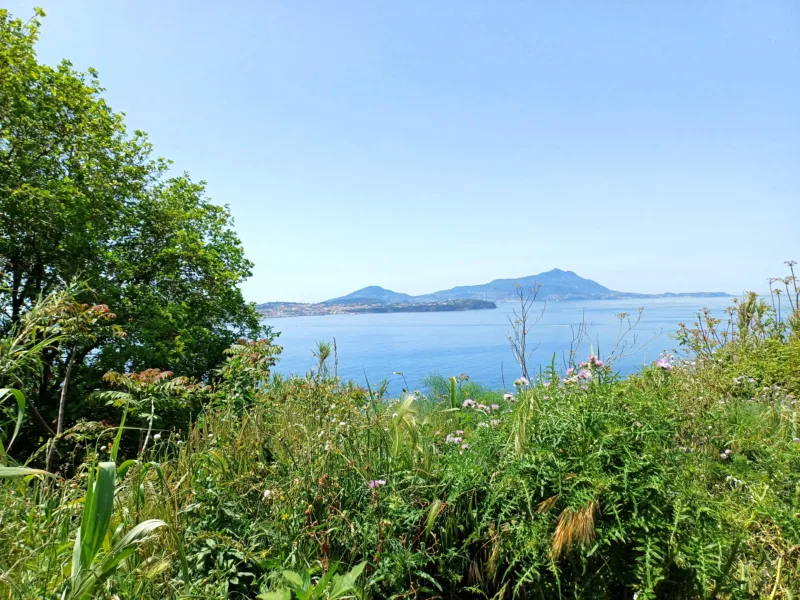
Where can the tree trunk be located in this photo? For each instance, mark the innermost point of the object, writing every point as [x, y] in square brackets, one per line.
[61, 406]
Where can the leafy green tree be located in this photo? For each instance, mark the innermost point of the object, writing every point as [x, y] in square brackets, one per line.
[83, 198]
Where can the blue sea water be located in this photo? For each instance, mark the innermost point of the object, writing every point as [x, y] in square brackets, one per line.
[475, 342]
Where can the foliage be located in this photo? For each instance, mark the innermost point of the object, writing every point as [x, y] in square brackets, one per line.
[677, 482]
[84, 199]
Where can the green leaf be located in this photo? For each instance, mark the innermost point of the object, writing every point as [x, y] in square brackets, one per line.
[118, 437]
[281, 594]
[345, 584]
[294, 578]
[21, 472]
[20, 397]
[97, 512]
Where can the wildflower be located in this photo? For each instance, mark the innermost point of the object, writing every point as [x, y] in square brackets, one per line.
[495, 422]
[342, 423]
[593, 360]
[663, 363]
[157, 436]
[453, 439]
[508, 397]
[495, 407]
[210, 435]
[376, 483]
[465, 446]
[483, 424]
[459, 432]
[285, 516]
[583, 365]
[570, 372]
[267, 494]
[584, 374]
[468, 403]
[522, 381]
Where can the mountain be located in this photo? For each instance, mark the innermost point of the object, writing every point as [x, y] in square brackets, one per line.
[555, 285]
[371, 294]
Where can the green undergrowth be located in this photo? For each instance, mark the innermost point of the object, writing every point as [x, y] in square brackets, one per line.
[682, 481]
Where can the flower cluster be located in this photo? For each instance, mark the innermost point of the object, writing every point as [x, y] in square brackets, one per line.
[593, 362]
[469, 403]
[521, 381]
[454, 439]
[376, 483]
[664, 364]
[586, 370]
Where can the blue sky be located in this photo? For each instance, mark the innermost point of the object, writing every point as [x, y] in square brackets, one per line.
[651, 146]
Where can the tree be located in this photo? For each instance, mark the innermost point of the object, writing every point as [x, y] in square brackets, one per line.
[82, 198]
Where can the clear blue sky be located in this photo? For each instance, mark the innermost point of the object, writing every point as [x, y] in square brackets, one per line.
[418, 145]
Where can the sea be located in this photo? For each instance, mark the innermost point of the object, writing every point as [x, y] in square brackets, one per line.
[405, 348]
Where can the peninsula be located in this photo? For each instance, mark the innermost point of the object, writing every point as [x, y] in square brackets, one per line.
[553, 286]
[300, 309]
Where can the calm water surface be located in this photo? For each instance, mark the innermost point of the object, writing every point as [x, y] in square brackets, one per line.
[474, 342]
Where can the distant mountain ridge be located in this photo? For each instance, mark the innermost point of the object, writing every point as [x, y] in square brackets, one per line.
[555, 285]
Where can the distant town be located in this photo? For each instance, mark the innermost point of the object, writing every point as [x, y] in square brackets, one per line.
[300, 309]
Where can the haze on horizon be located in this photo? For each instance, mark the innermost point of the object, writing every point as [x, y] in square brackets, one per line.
[418, 146]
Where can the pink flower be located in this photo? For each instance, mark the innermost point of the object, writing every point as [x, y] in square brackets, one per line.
[570, 371]
[464, 446]
[468, 403]
[508, 397]
[522, 381]
[459, 432]
[376, 483]
[584, 374]
[495, 407]
[663, 363]
[583, 365]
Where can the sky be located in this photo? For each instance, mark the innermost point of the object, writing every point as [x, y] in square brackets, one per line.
[650, 146]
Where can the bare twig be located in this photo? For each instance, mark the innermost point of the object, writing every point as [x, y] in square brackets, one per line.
[521, 325]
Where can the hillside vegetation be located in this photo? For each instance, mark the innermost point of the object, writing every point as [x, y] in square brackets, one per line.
[678, 482]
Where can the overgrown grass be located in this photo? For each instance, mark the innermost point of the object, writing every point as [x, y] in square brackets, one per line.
[682, 481]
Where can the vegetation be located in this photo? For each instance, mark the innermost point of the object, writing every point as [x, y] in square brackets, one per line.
[121, 479]
[680, 481]
[83, 199]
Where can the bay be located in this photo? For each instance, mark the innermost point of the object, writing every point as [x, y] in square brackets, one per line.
[375, 346]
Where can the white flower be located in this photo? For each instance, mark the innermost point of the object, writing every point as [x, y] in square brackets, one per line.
[157, 436]
[267, 494]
